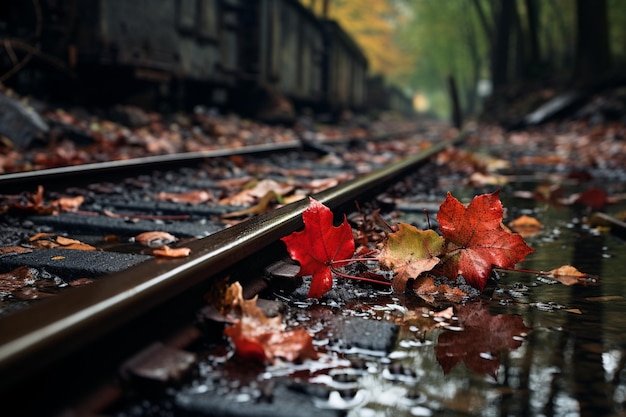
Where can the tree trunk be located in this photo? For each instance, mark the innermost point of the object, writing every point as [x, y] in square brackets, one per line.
[593, 56]
[534, 59]
[483, 20]
[504, 17]
[472, 46]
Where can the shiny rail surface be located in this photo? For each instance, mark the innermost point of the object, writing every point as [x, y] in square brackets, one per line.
[54, 328]
[16, 182]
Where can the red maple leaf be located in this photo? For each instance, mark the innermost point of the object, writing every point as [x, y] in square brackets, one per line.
[476, 239]
[319, 245]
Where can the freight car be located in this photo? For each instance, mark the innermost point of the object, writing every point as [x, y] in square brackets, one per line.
[382, 97]
[240, 55]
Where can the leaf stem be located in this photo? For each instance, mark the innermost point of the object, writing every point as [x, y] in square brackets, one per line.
[351, 260]
[357, 278]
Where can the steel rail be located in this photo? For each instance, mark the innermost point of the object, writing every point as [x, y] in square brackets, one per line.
[106, 170]
[56, 327]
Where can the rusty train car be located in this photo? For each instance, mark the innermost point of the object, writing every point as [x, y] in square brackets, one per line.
[241, 55]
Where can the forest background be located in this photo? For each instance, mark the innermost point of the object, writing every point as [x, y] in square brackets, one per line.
[501, 49]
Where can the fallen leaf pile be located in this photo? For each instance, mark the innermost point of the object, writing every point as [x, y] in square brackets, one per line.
[77, 137]
[50, 241]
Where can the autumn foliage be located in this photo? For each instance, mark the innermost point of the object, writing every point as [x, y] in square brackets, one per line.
[260, 338]
[476, 241]
[473, 241]
[319, 245]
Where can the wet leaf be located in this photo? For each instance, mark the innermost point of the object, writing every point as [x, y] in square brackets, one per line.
[35, 203]
[17, 278]
[167, 252]
[258, 190]
[481, 342]
[430, 292]
[68, 204]
[319, 245]
[14, 249]
[526, 226]
[40, 236]
[410, 252]
[191, 197]
[154, 239]
[569, 275]
[260, 338]
[68, 243]
[544, 193]
[594, 198]
[476, 240]
[50, 241]
[263, 206]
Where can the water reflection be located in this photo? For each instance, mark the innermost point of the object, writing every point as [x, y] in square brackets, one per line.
[481, 342]
[572, 359]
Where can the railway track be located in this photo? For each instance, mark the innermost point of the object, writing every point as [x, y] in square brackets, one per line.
[68, 352]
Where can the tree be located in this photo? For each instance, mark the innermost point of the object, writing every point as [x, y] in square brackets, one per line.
[373, 27]
[593, 55]
[504, 16]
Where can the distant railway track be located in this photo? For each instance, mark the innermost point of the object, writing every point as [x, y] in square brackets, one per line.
[42, 342]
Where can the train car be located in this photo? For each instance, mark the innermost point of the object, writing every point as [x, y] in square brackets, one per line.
[241, 55]
[114, 47]
[345, 77]
[382, 97]
[282, 58]
[399, 102]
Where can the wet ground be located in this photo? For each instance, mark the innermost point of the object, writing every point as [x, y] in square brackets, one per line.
[530, 345]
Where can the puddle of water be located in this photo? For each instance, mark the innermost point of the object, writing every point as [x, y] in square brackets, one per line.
[536, 347]
[569, 359]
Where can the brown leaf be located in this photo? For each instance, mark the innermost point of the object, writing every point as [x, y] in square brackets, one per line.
[526, 226]
[260, 338]
[67, 204]
[17, 278]
[262, 207]
[191, 197]
[426, 289]
[569, 275]
[39, 236]
[259, 190]
[154, 239]
[45, 241]
[35, 203]
[167, 252]
[66, 241]
[14, 249]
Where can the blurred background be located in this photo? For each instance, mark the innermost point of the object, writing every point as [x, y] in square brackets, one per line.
[502, 57]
